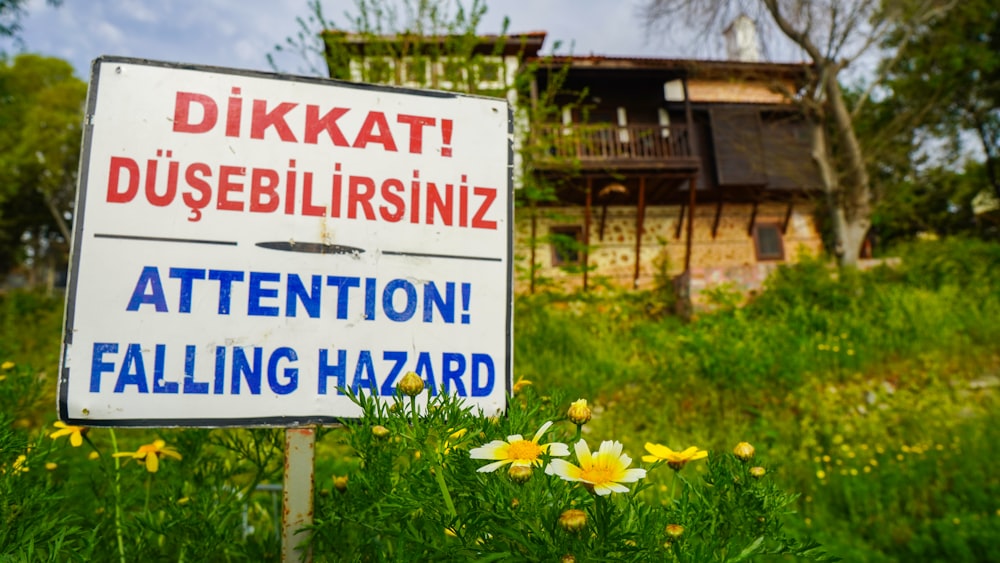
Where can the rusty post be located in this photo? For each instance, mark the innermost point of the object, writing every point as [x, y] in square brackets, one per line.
[586, 230]
[640, 215]
[297, 497]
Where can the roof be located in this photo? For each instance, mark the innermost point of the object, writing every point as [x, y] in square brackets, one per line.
[526, 44]
[696, 67]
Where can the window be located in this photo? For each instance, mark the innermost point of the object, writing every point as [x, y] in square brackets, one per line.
[567, 242]
[379, 71]
[768, 243]
[489, 71]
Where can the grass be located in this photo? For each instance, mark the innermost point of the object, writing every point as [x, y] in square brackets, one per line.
[872, 394]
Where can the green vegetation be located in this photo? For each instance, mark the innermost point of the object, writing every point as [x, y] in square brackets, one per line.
[870, 398]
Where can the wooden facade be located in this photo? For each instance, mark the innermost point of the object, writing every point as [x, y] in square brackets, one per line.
[699, 172]
[690, 172]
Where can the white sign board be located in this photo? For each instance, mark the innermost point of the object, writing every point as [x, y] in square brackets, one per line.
[246, 243]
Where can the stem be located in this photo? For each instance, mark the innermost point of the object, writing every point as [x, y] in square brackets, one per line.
[118, 492]
[413, 410]
[439, 476]
[149, 479]
[673, 486]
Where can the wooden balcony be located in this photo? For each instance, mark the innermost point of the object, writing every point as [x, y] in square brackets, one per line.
[605, 146]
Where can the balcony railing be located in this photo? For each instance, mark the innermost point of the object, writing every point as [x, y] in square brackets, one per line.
[607, 143]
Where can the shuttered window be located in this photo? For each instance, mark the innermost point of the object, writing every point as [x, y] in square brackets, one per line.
[737, 146]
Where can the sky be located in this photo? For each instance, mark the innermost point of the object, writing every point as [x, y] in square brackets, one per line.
[240, 33]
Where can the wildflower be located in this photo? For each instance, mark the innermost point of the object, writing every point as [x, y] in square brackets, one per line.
[520, 384]
[7, 365]
[568, 558]
[602, 473]
[821, 474]
[411, 385]
[674, 530]
[340, 482]
[579, 413]
[51, 466]
[380, 431]
[676, 460]
[19, 466]
[573, 520]
[151, 454]
[93, 455]
[519, 473]
[757, 472]
[183, 500]
[744, 451]
[75, 433]
[453, 438]
[518, 451]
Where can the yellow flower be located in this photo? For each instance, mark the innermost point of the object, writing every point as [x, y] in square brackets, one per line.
[579, 413]
[602, 473]
[676, 460]
[411, 385]
[51, 466]
[517, 450]
[821, 474]
[519, 473]
[520, 384]
[151, 454]
[757, 472]
[75, 433]
[340, 482]
[19, 466]
[674, 530]
[93, 455]
[380, 431]
[7, 365]
[744, 451]
[573, 520]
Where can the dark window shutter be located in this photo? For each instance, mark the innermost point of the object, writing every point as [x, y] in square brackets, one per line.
[788, 150]
[736, 139]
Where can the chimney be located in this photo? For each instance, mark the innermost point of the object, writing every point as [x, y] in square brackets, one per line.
[741, 40]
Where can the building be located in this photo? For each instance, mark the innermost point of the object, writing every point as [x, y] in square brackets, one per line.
[635, 172]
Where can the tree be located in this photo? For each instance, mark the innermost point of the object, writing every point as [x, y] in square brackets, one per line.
[953, 75]
[833, 34]
[41, 114]
[11, 12]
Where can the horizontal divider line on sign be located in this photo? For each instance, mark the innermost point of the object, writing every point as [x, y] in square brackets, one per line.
[166, 239]
[452, 256]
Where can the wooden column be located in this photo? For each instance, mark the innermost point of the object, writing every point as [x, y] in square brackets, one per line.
[692, 188]
[640, 216]
[586, 231]
[693, 182]
[534, 245]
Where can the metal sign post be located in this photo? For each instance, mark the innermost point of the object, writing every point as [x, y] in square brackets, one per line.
[297, 496]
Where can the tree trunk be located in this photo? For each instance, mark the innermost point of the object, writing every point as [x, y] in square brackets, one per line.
[854, 198]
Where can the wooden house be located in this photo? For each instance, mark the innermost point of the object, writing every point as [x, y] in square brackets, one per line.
[657, 171]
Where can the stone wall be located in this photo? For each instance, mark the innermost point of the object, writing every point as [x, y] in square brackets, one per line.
[728, 257]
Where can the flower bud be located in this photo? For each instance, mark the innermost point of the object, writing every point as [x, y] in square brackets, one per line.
[340, 482]
[744, 451]
[519, 473]
[573, 520]
[579, 413]
[411, 385]
[757, 472]
[674, 530]
[380, 432]
[568, 558]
